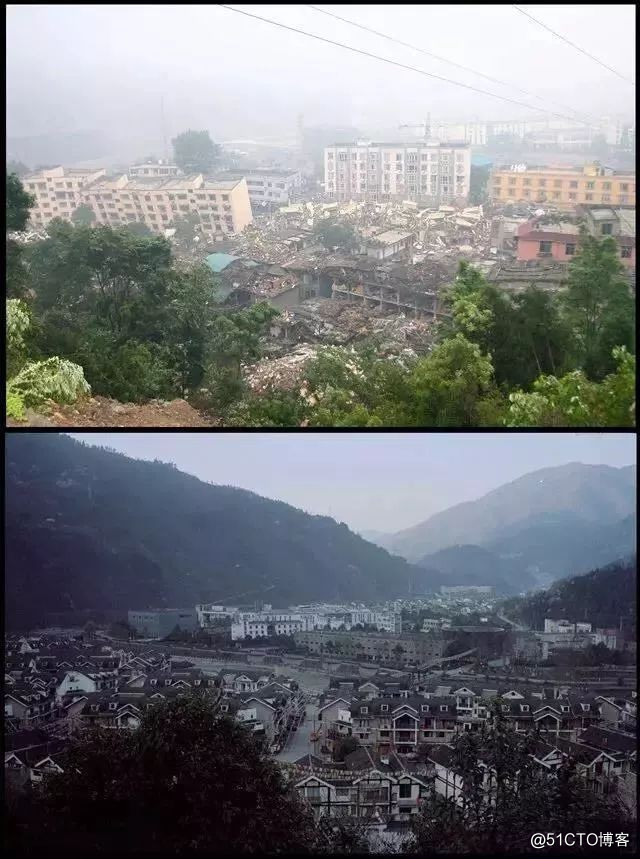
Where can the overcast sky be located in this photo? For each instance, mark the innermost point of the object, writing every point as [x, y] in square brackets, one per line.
[78, 67]
[382, 481]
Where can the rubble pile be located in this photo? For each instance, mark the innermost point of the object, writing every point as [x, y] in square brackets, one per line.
[284, 373]
[28, 237]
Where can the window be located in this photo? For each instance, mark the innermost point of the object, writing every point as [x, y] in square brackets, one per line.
[573, 196]
[573, 184]
[624, 186]
[405, 791]
[622, 198]
[606, 229]
[588, 196]
[384, 708]
[526, 181]
[542, 183]
[512, 181]
[497, 180]
[525, 708]
[606, 186]
[565, 708]
[557, 183]
[569, 249]
[94, 708]
[444, 708]
[425, 708]
[590, 186]
[606, 198]
[545, 247]
[625, 253]
[113, 705]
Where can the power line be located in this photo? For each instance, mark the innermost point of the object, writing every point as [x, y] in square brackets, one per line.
[441, 59]
[391, 62]
[582, 51]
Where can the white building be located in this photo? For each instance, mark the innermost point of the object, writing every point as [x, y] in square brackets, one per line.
[427, 171]
[154, 169]
[208, 613]
[565, 626]
[383, 621]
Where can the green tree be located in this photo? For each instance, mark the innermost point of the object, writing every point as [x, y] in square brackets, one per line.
[503, 803]
[478, 182]
[449, 384]
[18, 203]
[343, 747]
[573, 401]
[195, 151]
[334, 234]
[83, 215]
[186, 228]
[598, 304]
[139, 228]
[18, 168]
[186, 779]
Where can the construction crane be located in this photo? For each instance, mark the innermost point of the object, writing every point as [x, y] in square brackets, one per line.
[426, 125]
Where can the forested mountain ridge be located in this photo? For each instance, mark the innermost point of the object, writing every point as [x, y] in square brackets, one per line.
[605, 597]
[91, 528]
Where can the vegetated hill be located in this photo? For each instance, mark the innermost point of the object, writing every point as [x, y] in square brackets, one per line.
[91, 528]
[533, 553]
[556, 546]
[474, 565]
[605, 597]
[595, 494]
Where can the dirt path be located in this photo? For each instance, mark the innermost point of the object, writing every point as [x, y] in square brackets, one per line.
[103, 412]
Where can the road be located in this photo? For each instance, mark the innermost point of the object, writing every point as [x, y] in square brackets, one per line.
[298, 742]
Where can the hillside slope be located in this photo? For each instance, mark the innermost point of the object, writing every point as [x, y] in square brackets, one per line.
[90, 528]
[595, 494]
[605, 597]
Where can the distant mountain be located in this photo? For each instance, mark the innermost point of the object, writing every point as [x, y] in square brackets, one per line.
[475, 565]
[532, 554]
[604, 597]
[88, 528]
[590, 494]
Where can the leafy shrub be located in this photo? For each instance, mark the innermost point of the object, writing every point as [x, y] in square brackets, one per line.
[54, 379]
[15, 406]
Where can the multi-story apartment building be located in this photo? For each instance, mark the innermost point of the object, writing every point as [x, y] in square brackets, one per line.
[270, 185]
[377, 646]
[385, 621]
[222, 206]
[564, 187]
[429, 171]
[58, 192]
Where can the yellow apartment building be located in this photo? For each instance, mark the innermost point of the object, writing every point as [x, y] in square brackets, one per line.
[58, 192]
[222, 206]
[564, 187]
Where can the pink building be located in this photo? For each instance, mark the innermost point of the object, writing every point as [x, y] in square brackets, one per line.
[559, 241]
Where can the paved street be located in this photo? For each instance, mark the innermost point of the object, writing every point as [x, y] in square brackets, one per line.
[298, 742]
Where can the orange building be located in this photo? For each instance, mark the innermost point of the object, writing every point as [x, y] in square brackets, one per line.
[564, 187]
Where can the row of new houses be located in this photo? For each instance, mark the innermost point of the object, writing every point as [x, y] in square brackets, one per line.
[386, 716]
[392, 786]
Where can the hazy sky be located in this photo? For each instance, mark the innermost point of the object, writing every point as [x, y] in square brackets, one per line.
[382, 482]
[77, 67]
